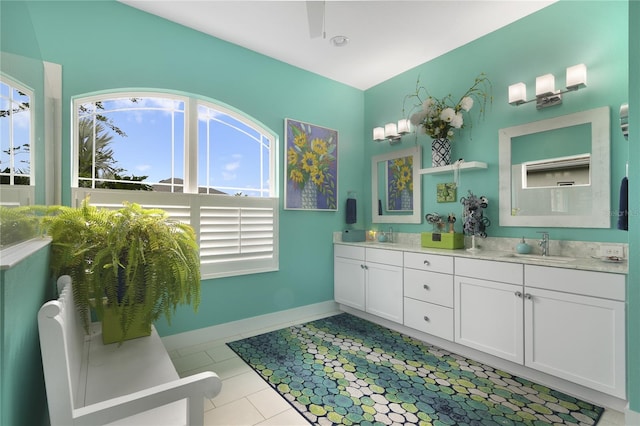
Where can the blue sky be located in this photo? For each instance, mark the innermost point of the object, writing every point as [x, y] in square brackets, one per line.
[155, 135]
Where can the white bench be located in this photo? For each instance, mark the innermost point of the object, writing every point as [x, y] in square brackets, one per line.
[135, 383]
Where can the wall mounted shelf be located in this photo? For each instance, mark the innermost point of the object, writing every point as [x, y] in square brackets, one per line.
[471, 165]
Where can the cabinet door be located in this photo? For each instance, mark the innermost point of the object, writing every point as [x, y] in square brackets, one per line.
[489, 317]
[578, 338]
[348, 282]
[384, 291]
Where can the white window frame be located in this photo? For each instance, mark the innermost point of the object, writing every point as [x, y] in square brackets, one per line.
[21, 195]
[246, 240]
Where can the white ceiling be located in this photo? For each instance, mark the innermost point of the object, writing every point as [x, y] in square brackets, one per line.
[386, 37]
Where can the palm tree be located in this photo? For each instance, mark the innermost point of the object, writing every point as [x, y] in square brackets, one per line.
[103, 165]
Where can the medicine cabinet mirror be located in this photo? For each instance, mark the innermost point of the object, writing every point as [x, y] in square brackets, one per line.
[555, 172]
[395, 187]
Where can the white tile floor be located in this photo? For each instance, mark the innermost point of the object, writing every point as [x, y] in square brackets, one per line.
[246, 399]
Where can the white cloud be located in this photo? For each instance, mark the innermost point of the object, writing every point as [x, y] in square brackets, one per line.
[143, 167]
[229, 176]
[232, 166]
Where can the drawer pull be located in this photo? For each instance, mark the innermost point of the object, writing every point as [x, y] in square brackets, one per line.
[361, 266]
[528, 296]
[426, 318]
[426, 262]
[425, 286]
[518, 294]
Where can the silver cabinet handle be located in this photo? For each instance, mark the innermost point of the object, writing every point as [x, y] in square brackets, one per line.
[426, 262]
[518, 294]
[425, 286]
[426, 318]
[528, 296]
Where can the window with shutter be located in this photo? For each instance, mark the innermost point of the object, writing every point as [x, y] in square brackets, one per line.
[203, 163]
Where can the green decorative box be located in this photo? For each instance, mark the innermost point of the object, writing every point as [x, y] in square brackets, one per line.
[445, 240]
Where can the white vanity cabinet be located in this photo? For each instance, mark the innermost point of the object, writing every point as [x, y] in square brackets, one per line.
[488, 307]
[575, 326]
[369, 279]
[348, 275]
[428, 293]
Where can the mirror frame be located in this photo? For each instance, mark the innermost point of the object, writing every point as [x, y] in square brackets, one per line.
[599, 118]
[416, 217]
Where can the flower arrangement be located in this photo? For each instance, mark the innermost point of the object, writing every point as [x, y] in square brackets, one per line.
[439, 118]
[400, 175]
[312, 159]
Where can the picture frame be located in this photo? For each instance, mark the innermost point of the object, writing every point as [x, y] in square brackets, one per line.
[311, 167]
[446, 192]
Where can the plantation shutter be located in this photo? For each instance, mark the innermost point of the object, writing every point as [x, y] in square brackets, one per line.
[237, 235]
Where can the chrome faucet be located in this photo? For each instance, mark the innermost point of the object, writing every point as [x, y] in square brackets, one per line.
[544, 242]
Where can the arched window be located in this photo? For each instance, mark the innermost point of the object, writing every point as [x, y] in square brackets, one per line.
[16, 142]
[202, 162]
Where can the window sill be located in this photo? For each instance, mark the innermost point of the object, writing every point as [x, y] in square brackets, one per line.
[11, 256]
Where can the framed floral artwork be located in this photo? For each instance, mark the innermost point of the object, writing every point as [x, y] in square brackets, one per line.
[311, 167]
[446, 192]
[400, 184]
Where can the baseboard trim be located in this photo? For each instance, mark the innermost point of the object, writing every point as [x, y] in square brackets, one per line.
[631, 418]
[250, 326]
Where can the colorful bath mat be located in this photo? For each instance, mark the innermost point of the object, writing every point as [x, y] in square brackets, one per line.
[346, 370]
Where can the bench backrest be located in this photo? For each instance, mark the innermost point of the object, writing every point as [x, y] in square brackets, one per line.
[61, 345]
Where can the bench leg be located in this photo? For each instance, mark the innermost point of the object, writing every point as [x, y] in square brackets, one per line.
[195, 411]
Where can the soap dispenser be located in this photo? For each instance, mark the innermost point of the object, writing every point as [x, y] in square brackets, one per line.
[523, 247]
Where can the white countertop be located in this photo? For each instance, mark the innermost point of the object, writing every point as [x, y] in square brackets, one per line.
[588, 264]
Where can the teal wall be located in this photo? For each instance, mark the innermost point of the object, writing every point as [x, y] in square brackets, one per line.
[23, 289]
[107, 45]
[633, 285]
[546, 42]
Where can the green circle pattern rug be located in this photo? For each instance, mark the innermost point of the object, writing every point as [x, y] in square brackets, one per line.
[346, 370]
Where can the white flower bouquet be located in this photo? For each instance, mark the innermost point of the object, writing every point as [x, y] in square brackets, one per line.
[439, 118]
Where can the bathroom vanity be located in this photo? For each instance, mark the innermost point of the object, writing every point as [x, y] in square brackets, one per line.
[561, 317]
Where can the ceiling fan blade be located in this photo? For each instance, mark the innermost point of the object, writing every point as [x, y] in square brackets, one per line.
[315, 15]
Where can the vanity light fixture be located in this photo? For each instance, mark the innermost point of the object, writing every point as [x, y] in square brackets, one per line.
[392, 132]
[546, 93]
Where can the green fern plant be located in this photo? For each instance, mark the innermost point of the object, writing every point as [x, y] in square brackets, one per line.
[138, 262]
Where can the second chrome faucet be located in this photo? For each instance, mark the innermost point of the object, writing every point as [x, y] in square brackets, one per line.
[544, 243]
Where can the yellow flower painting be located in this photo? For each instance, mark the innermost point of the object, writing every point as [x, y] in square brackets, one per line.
[311, 170]
[400, 184]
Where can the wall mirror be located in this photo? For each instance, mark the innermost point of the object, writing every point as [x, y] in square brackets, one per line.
[555, 172]
[395, 187]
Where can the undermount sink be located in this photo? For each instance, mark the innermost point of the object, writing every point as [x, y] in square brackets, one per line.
[540, 258]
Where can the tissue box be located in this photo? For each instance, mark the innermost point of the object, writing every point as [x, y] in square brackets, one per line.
[445, 240]
[353, 235]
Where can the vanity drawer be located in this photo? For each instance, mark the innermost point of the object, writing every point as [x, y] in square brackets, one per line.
[429, 318]
[387, 257]
[489, 270]
[428, 286]
[429, 262]
[351, 252]
[586, 283]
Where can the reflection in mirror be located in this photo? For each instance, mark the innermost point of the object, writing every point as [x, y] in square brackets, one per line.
[395, 192]
[555, 172]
